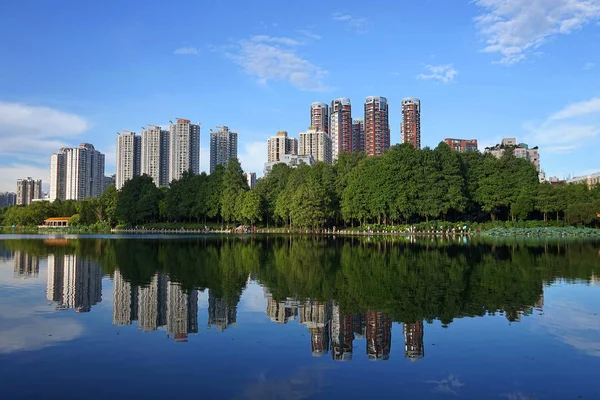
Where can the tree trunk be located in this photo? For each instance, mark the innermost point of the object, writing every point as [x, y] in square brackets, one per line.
[492, 216]
[427, 218]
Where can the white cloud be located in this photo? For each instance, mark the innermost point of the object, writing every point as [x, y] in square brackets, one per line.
[253, 157]
[568, 129]
[253, 299]
[29, 135]
[11, 172]
[274, 59]
[272, 39]
[356, 23]
[588, 66]
[574, 325]
[579, 109]
[450, 385]
[43, 122]
[309, 34]
[186, 51]
[517, 28]
[442, 73]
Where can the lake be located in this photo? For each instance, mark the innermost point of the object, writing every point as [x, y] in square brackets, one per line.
[298, 317]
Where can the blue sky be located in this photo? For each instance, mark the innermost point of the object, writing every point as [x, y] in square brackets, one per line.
[75, 71]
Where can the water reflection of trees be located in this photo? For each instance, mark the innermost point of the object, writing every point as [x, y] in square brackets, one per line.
[341, 290]
[423, 280]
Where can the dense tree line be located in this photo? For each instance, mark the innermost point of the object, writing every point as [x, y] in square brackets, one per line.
[402, 186]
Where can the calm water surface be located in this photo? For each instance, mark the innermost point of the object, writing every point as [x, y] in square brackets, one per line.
[300, 318]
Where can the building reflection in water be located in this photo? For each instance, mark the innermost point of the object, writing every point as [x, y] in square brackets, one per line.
[414, 348]
[26, 265]
[220, 314]
[73, 282]
[379, 335]
[332, 330]
[159, 304]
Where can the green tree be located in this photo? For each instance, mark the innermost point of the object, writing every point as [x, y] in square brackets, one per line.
[234, 184]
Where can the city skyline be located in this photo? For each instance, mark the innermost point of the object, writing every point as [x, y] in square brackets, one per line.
[460, 59]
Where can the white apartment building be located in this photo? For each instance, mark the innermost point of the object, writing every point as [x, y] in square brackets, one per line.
[155, 154]
[280, 145]
[251, 177]
[129, 154]
[184, 145]
[317, 144]
[28, 190]
[223, 146]
[76, 173]
[340, 127]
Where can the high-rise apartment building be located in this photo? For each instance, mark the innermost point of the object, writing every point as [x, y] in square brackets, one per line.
[184, 148]
[280, 145]
[76, 173]
[317, 144]
[462, 145]
[155, 154]
[340, 127]
[319, 116]
[251, 177]
[223, 146]
[410, 130]
[8, 199]
[377, 126]
[129, 155]
[28, 189]
[358, 134]
[58, 175]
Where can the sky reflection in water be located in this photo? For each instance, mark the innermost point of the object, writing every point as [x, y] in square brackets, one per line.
[300, 318]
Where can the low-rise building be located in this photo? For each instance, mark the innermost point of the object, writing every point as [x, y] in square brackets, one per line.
[520, 150]
[462, 145]
[591, 180]
[292, 160]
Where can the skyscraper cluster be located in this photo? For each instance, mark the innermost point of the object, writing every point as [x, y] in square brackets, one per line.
[28, 189]
[162, 154]
[334, 131]
[76, 173]
[165, 154]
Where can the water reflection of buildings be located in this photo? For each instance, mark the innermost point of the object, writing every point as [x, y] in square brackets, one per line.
[6, 254]
[414, 349]
[379, 335]
[182, 312]
[332, 330]
[26, 265]
[159, 304]
[220, 313]
[316, 315]
[73, 282]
